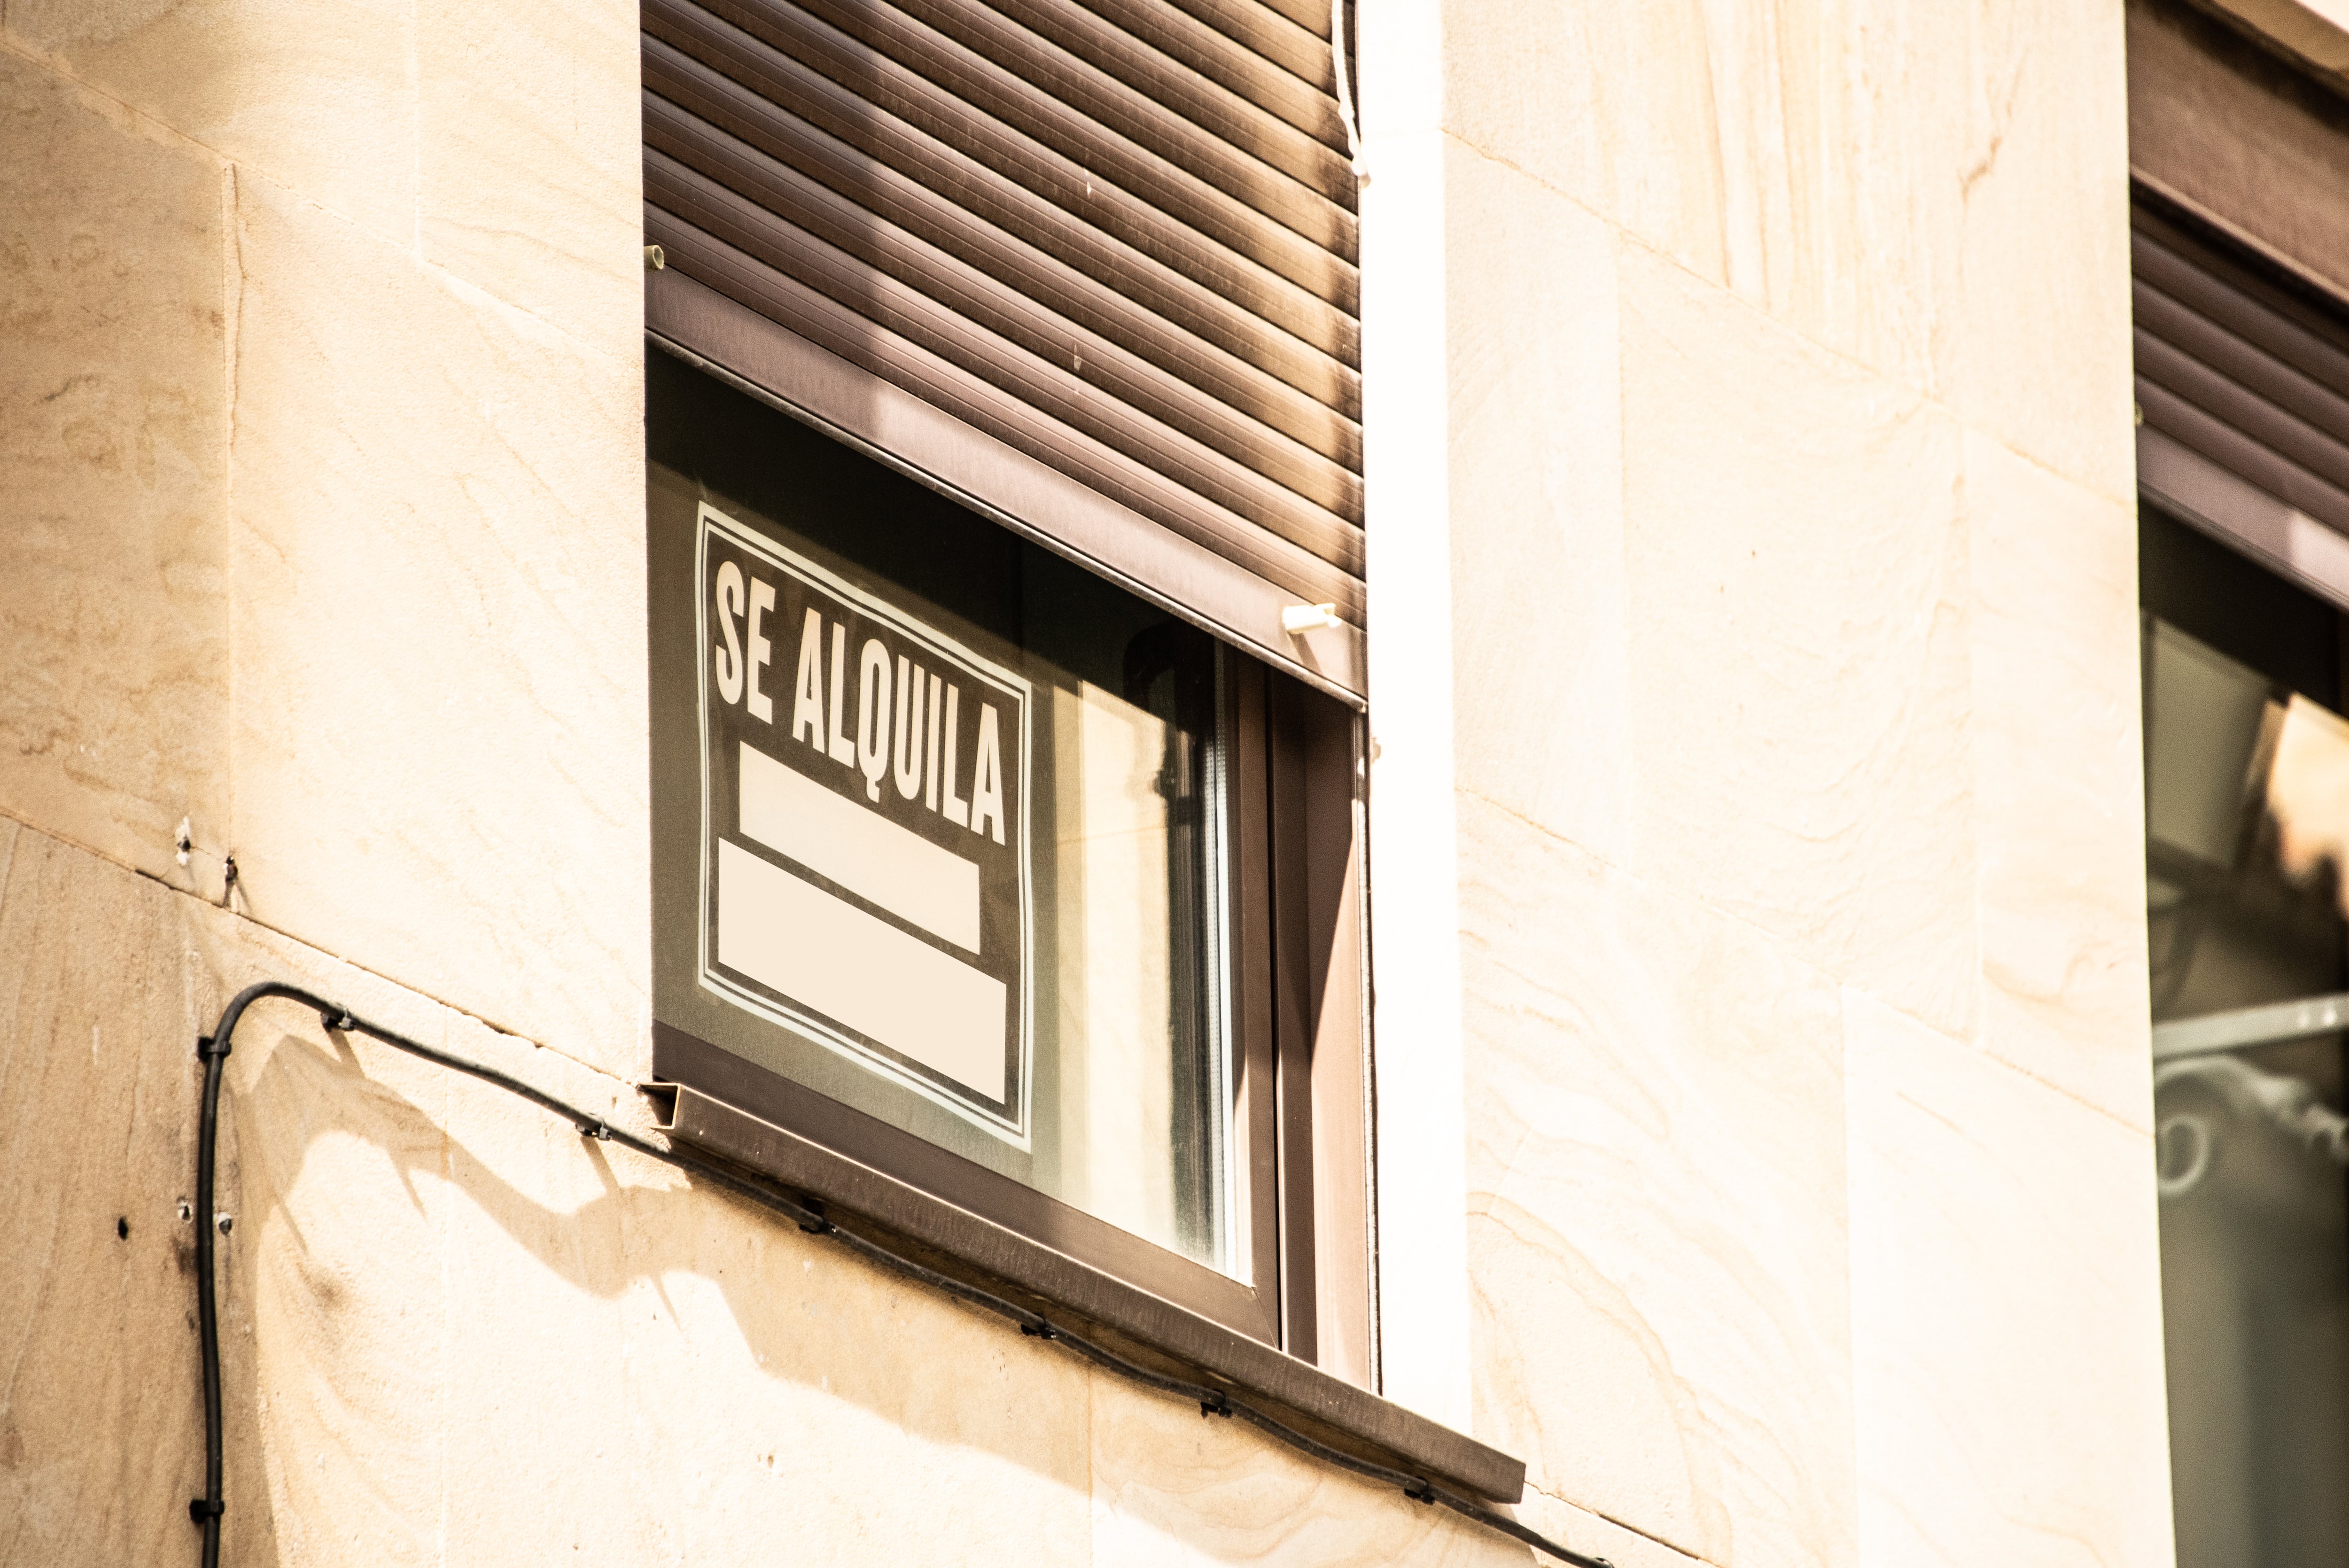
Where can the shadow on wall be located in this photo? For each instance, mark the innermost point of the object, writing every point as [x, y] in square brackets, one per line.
[450, 1329]
[423, 1343]
[451, 1333]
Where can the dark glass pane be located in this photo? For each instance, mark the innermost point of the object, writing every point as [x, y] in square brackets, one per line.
[959, 810]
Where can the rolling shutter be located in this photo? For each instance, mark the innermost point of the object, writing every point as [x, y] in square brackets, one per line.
[2242, 384]
[1089, 266]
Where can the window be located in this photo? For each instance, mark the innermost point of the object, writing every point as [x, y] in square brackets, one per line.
[981, 870]
[2241, 370]
[2246, 753]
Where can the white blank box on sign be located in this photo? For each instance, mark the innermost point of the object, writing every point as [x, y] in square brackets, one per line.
[827, 955]
[861, 850]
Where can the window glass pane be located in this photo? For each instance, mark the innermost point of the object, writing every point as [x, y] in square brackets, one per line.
[954, 814]
[2247, 815]
[1136, 977]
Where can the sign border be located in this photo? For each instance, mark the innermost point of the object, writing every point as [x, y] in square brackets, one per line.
[1016, 1131]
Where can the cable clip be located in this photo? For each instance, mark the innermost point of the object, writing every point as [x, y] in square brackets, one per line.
[595, 1129]
[207, 1047]
[1040, 1330]
[820, 1225]
[201, 1508]
[1215, 1404]
[337, 1021]
[1421, 1491]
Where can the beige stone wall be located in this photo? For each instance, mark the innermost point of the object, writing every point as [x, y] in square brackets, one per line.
[323, 430]
[1753, 455]
[1790, 624]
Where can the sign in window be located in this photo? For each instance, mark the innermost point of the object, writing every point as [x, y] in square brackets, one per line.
[866, 864]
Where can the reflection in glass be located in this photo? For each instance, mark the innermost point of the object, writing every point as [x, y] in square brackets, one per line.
[2247, 815]
[1136, 1129]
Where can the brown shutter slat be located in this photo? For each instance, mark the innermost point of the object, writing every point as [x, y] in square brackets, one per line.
[1115, 236]
[1146, 98]
[2242, 365]
[2204, 384]
[881, 104]
[781, 199]
[2225, 304]
[2263, 468]
[2185, 332]
[1107, 287]
[1104, 31]
[962, 100]
[934, 191]
[1286, 35]
[962, 339]
[1005, 416]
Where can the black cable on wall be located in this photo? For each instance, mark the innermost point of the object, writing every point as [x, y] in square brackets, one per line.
[213, 1048]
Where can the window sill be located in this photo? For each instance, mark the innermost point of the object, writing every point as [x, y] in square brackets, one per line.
[1144, 1327]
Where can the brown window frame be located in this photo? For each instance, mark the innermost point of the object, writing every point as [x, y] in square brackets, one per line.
[1300, 1048]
